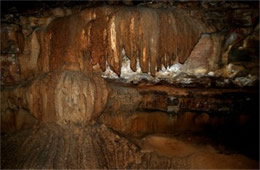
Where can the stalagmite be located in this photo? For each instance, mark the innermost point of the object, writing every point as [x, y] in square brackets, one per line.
[129, 85]
[61, 97]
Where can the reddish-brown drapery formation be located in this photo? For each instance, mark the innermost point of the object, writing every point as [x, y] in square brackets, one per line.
[167, 78]
[155, 37]
[151, 37]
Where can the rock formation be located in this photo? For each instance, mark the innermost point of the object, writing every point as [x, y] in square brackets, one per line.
[153, 37]
[82, 86]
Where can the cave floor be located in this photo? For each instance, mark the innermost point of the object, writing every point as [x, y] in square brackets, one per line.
[52, 146]
[197, 151]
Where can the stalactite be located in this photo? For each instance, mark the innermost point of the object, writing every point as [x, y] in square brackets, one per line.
[43, 60]
[153, 37]
[171, 38]
[133, 38]
[59, 43]
[144, 34]
[113, 50]
[188, 34]
[124, 31]
[66, 43]
[98, 38]
[153, 41]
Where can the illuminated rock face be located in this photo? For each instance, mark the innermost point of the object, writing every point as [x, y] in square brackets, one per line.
[60, 97]
[122, 43]
[56, 71]
[152, 39]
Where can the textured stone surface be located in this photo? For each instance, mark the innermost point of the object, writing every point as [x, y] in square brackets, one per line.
[89, 147]
[198, 62]
[165, 109]
[53, 146]
[59, 97]
[54, 103]
[13, 120]
[153, 37]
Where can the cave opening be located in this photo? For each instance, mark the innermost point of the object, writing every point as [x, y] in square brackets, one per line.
[129, 84]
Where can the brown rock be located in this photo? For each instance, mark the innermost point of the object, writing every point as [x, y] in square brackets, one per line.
[198, 62]
[98, 35]
[29, 58]
[155, 101]
[202, 119]
[13, 120]
[124, 99]
[12, 45]
[52, 146]
[60, 97]
[8, 121]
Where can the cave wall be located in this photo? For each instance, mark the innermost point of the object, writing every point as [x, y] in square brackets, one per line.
[63, 50]
[138, 69]
[154, 37]
[153, 41]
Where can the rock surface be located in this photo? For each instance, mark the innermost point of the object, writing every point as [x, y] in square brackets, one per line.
[61, 97]
[166, 109]
[171, 67]
[153, 37]
[52, 146]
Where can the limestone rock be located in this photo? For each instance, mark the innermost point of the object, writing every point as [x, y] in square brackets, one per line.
[50, 146]
[59, 97]
[124, 99]
[198, 62]
[58, 41]
[13, 120]
[75, 147]
[12, 45]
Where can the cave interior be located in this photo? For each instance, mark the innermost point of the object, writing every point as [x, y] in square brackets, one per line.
[124, 84]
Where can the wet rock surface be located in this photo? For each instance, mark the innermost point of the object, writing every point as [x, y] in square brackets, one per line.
[58, 97]
[52, 146]
[152, 38]
[126, 84]
[100, 34]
